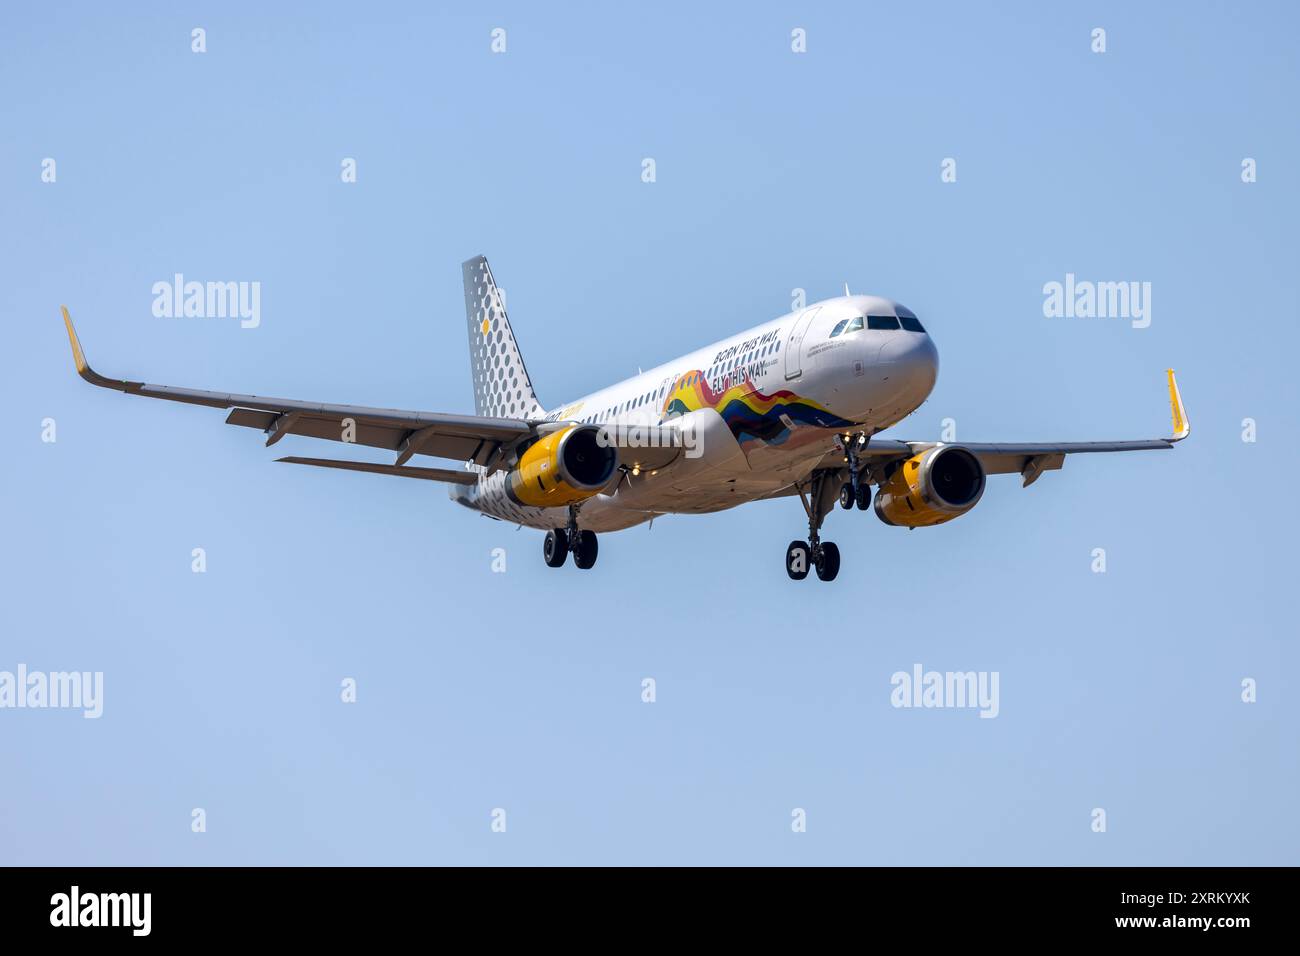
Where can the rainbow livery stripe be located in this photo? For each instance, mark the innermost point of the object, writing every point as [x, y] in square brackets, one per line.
[750, 414]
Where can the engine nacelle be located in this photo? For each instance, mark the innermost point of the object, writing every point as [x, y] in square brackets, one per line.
[567, 465]
[935, 486]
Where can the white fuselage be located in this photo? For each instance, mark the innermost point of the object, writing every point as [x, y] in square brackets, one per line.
[765, 406]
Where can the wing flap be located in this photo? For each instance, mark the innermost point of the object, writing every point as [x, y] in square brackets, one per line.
[432, 442]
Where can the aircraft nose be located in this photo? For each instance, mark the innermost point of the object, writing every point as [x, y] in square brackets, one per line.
[913, 357]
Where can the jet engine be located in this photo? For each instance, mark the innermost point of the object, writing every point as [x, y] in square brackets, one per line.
[931, 487]
[562, 467]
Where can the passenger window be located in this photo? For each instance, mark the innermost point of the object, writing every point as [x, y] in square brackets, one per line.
[839, 327]
[884, 323]
[911, 323]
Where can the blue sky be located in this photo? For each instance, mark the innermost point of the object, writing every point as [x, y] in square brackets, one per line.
[775, 171]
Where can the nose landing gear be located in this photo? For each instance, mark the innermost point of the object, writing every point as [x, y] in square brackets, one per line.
[855, 490]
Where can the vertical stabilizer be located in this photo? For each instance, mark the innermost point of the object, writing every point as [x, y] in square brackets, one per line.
[502, 388]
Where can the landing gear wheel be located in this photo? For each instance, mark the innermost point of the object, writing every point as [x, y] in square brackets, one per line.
[796, 560]
[864, 496]
[555, 548]
[846, 496]
[585, 549]
[828, 561]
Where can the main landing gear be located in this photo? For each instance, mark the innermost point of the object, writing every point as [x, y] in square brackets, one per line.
[561, 541]
[824, 556]
[818, 496]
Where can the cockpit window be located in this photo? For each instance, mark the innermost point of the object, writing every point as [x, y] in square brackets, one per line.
[882, 322]
[855, 325]
[839, 327]
[908, 318]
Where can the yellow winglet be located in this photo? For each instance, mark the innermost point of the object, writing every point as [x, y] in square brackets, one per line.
[83, 367]
[1182, 427]
[78, 356]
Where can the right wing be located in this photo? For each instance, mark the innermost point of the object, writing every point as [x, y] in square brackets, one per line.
[1027, 459]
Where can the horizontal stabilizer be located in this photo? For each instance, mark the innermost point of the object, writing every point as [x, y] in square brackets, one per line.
[401, 471]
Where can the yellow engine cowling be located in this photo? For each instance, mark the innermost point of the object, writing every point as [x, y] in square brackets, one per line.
[932, 487]
[561, 468]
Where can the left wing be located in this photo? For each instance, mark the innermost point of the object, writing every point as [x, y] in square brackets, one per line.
[483, 440]
[1029, 460]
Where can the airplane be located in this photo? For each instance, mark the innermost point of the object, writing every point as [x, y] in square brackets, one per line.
[789, 408]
